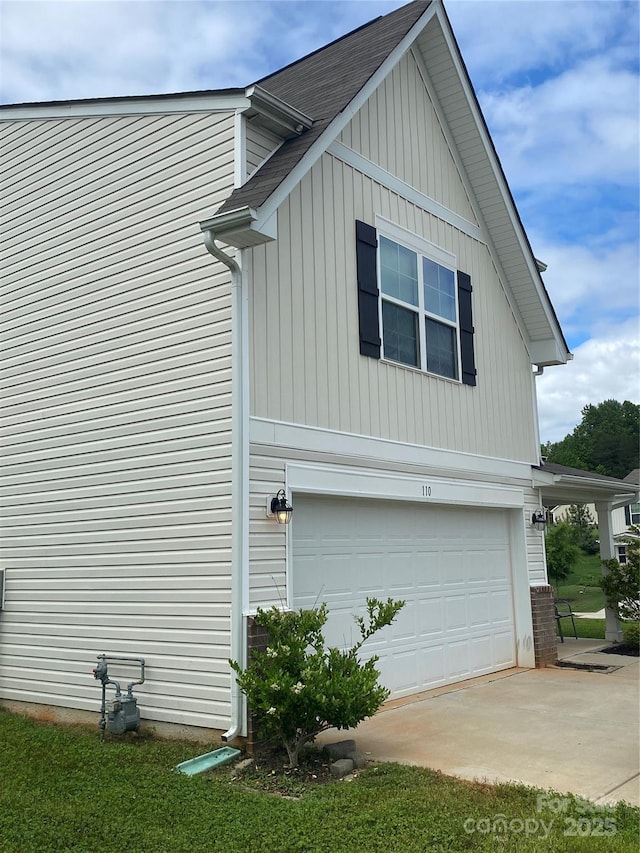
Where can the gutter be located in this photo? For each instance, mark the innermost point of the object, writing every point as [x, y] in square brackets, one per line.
[239, 433]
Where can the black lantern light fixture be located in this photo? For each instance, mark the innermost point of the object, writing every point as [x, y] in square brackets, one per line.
[539, 519]
[280, 508]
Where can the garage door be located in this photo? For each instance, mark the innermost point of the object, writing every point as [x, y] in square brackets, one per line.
[450, 565]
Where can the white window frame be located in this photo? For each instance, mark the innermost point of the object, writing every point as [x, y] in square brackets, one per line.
[422, 248]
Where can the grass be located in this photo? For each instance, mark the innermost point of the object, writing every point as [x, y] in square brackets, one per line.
[581, 587]
[65, 792]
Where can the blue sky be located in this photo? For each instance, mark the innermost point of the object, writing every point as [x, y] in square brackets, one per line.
[558, 81]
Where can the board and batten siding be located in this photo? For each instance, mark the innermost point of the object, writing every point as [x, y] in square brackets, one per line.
[398, 129]
[116, 411]
[304, 297]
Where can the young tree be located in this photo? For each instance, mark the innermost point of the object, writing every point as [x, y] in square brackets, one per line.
[298, 688]
[583, 527]
[562, 553]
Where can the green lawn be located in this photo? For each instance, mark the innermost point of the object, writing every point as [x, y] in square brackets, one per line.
[62, 791]
[581, 587]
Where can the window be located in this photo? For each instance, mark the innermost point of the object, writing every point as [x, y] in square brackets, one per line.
[622, 554]
[635, 513]
[419, 310]
[414, 308]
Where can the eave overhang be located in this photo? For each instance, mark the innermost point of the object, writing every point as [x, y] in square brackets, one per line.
[564, 487]
[241, 228]
[274, 114]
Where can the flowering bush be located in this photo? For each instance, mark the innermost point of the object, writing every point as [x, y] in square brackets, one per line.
[297, 688]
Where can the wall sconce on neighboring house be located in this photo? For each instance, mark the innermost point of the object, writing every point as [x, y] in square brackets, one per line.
[539, 519]
[279, 508]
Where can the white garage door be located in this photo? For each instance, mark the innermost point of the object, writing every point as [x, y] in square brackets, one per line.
[450, 565]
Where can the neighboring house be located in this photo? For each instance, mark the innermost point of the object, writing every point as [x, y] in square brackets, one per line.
[622, 517]
[365, 338]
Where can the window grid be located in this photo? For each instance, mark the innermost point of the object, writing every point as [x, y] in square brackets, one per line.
[418, 307]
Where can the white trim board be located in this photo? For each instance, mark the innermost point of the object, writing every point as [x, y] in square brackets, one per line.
[396, 185]
[335, 128]
[133, 106]
[320, 440]
[333, 480]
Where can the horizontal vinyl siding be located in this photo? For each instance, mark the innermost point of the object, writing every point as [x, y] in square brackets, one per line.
[267, 538]
[398, 129]
[260, 144]
[116, 418]
[305, 297]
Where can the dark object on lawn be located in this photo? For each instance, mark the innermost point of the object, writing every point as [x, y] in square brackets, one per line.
[563, 611]
[622, 649]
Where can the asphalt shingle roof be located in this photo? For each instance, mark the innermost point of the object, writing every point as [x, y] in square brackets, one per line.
[321, 85]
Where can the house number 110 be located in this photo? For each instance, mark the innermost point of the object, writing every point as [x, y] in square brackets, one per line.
[426, 491]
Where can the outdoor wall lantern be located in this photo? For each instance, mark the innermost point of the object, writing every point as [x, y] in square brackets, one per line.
[539, 519]
[279, 508]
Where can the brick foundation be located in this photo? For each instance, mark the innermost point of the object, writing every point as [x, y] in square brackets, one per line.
[257, 640]
[544, 625]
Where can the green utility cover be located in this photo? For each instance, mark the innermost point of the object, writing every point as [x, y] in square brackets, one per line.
[208, 761]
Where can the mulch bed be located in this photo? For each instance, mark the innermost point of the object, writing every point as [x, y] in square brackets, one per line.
[622, 649]
[270, 772]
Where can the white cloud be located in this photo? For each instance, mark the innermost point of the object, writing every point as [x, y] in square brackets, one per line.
[64, 50]
[500, 39]
[581, 125]
[603, 368]
[592, 285]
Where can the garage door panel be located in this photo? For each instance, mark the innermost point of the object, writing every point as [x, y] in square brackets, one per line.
[455, 612]
[430, 617]
[479, 610]
[457, 665]
[450, 565]
[501, 607]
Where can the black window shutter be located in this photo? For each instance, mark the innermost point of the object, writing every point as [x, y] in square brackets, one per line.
[466, 329]
[366, 256]
[627, 516]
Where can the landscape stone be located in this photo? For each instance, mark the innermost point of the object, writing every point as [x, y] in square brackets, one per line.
[340, 749]
[342, 767]
[359, 759]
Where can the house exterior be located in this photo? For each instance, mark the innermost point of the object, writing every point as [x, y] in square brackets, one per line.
[318, 284]
[622, 518]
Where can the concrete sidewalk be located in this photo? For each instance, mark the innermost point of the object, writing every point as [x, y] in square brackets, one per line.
[560, 728]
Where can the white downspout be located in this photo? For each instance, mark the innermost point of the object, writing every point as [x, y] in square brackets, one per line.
[237, 478]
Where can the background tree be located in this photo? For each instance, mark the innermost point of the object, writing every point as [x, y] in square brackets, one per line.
[583, 527]
[605, 441]
[562, 552]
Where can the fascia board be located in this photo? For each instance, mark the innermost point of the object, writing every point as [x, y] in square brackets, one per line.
[286, 120]
[333, 130]
[135, 106]
[242, 227]
[548, 353]
[498, 175]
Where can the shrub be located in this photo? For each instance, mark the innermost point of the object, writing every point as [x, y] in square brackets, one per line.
[621, 584]
[631, 633]
[298, 688]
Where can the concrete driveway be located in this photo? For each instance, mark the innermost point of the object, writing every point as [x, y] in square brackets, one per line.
[569, 730]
